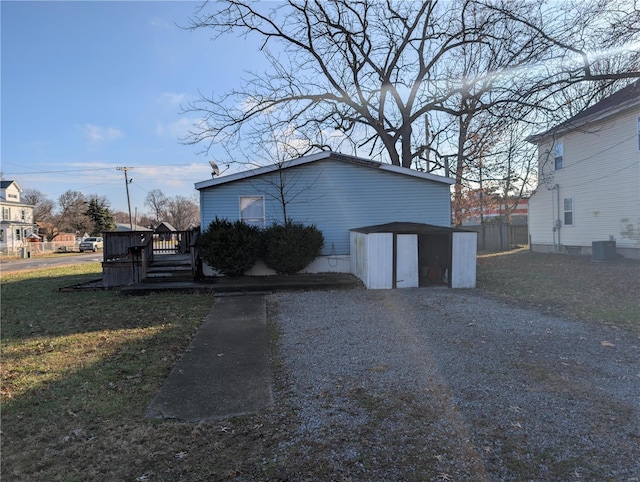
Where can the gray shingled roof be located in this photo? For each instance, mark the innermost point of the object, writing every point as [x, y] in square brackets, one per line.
[627, 97]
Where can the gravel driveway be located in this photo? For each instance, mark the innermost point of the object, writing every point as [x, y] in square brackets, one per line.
[439, 384]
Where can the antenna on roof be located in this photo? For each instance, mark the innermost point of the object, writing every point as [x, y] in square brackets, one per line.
[215, 170]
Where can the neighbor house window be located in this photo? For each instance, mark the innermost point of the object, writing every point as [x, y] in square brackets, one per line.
[23, 215]
[6, 214]
[558, 155]
[568, 211]
[252, 210]
[18, 235]
[1, 235]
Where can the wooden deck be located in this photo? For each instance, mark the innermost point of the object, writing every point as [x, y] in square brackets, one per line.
[134, 257]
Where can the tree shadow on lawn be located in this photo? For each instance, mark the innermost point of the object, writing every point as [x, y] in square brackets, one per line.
[86, 418]
[78, 371]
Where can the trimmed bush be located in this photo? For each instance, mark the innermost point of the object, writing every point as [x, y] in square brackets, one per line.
[231, 248]
[290, 248]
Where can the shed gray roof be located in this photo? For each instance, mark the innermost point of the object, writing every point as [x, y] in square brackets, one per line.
[409, 228]
[318, 157]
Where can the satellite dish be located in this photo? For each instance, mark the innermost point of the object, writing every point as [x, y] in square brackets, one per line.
[215, 170]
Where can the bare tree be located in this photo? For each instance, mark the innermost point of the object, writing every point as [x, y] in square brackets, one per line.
[183, 213]
[43, 210]
[72, 216]
[158, 203]
[370, 71]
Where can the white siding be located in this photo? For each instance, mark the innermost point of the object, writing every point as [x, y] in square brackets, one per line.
[407, 261]
[602, 174]
[372, 259]
[463, 260]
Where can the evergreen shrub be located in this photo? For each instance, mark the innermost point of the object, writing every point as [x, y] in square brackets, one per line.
[230, 248]
[291, 247]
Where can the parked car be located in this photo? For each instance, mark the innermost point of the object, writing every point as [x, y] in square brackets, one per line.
[91, 244]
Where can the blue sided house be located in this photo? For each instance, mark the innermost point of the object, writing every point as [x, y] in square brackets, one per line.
[337, 193]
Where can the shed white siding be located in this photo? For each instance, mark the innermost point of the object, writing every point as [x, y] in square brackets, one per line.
[407, 261]
[463, 260]
[601, 174]
[372, 259]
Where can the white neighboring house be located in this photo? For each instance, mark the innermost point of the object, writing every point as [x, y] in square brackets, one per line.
[17, 218]
[589, 179]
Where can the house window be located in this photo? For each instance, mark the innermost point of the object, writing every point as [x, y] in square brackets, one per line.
[558, 155]
[6, 214]
[252, 210]
[568, 211]
[23, 215]
[1, 235]
[18, 235]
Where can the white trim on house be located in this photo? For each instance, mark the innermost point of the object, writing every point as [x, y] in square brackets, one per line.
[317, 157]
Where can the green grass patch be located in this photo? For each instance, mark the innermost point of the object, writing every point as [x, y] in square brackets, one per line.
[79, 369]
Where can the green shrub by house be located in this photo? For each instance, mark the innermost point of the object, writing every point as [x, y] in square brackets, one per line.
[290, 248]
[230, 248]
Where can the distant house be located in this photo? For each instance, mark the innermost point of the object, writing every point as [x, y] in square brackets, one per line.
[335, 192]
[164, 227]
[164, 230]
[126, 227]
[589, 179]
[17, 218]
[492, 208]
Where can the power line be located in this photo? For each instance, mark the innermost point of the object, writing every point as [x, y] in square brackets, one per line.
[126, 183]
[67, 171]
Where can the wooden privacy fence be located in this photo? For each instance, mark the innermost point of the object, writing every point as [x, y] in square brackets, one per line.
[500, 236]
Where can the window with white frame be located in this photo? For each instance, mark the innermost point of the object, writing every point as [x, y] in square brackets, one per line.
[1, 235]
[18, 234]
[568, 211]
[6, 214]
[23, 215]
[252, 210]
[558, 155]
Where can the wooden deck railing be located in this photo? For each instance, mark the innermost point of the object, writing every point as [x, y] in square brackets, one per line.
[127, 255]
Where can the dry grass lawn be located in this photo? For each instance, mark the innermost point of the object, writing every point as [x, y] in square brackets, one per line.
[79, 369]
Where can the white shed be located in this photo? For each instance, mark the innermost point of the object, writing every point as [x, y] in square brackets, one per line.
[409, 255]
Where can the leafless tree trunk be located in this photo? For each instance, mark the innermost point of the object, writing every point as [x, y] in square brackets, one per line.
[157, 202]
[183, 213]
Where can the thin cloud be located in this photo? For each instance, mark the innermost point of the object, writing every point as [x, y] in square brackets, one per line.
[159, 22]
[175, 130]
[96, 133]
[172, 99]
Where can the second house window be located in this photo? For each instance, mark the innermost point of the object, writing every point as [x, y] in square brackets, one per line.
[568, 211]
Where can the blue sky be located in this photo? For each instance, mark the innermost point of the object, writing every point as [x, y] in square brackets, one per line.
[90, 86]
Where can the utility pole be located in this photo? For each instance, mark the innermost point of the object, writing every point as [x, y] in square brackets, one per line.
[126, 183]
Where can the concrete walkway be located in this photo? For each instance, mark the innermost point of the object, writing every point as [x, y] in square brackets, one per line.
[226, 369]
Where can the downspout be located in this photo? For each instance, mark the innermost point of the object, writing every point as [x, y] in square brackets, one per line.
[557, 224]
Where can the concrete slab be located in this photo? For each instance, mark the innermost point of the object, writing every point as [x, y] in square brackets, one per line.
[226, 370]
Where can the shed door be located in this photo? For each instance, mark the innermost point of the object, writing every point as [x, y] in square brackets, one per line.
[407, 261]
[463, 260]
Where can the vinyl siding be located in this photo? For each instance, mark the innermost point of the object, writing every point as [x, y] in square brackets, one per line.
[336, 197]
[602, 174]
